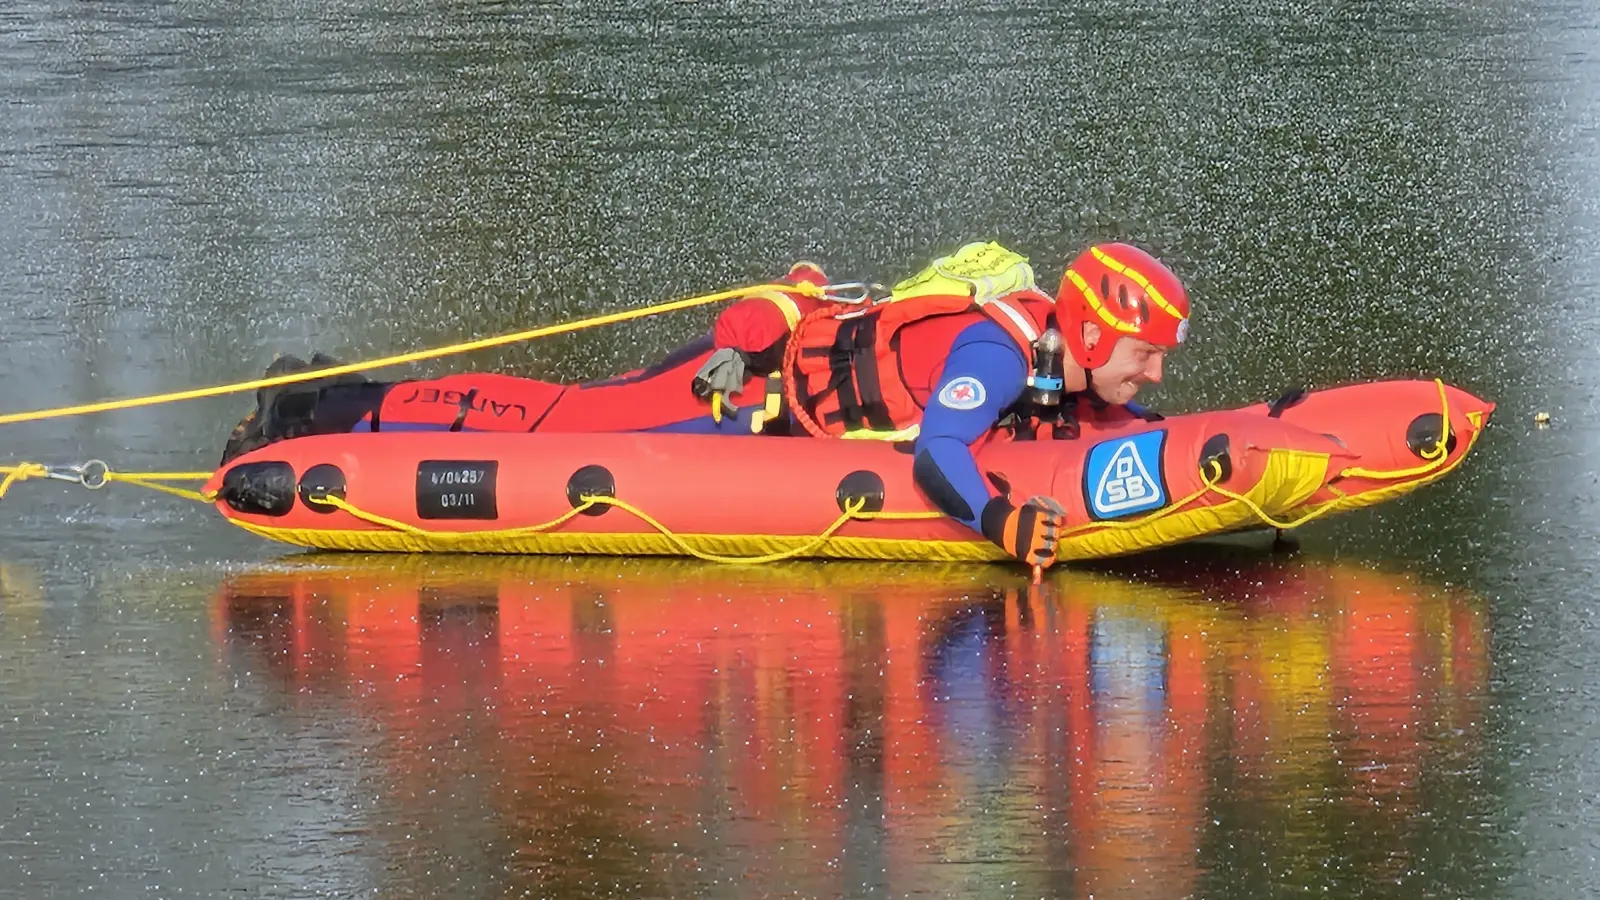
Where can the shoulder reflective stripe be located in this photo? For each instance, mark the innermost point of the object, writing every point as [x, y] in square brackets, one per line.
[1093, 300]
[984, 288]
[987, 288]
[866, 434]
[785, 305]
[1137, 277]
[1017, 318]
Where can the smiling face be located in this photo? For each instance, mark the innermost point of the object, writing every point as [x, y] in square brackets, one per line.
[1133, 364]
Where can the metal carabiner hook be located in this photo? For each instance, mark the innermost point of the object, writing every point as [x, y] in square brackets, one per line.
[856, 292]
[73, 474]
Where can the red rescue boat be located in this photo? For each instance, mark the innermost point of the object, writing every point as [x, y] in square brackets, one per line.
[1128, 485]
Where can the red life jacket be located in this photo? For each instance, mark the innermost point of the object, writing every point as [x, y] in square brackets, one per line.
[834, 367]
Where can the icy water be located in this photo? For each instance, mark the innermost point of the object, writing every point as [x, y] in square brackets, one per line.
[1405, 708]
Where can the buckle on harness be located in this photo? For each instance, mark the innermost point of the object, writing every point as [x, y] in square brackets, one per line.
[772, 409]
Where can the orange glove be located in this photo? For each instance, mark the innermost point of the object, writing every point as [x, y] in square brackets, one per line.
[1029, 532]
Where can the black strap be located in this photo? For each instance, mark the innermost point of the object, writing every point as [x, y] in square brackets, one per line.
[853, 364]
[1021, 419]
[462, 408]
[853, 375]
[1290, 397]
[873, 408]
[549, 409]
[809, 401]
[1066, 426]
[840, 360]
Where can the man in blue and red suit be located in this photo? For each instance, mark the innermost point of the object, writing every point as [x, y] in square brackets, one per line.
[968, 343]
[945, 371]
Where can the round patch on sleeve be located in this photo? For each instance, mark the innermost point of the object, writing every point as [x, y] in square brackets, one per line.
[965, 392]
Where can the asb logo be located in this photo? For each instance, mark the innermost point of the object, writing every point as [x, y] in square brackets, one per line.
[965, 392]
[1123, 475]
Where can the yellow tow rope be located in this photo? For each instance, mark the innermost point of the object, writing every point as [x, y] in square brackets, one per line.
[399, 359]
[95, 475]
[853, 509]
[1437, 455]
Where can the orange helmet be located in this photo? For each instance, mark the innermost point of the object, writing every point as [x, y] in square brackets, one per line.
[1126, 292]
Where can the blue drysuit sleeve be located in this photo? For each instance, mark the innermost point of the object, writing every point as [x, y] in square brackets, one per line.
[984, 374]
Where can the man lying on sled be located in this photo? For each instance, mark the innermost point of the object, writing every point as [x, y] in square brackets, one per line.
[963, 347]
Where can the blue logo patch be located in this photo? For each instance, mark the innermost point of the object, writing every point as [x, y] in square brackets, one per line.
[965, 392]
[1123, 475]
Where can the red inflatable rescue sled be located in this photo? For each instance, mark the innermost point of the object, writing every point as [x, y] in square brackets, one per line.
[1127, 486]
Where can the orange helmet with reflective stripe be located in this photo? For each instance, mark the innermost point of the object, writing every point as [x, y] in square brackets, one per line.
[1125, 291]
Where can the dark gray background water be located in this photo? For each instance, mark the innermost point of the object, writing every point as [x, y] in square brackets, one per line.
[1352, 192]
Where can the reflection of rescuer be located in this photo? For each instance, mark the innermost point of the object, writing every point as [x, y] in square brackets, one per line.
[966, 344]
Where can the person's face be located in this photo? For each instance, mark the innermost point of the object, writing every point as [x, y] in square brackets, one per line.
[1134, 363]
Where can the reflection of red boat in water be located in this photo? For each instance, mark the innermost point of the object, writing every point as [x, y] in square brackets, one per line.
[880, 720]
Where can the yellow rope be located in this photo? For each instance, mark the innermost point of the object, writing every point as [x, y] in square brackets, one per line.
[185, 493]
[1436, 455]
[342, 504]
[1138, 522]
[26, 470]
[1338, 501]
[414, 356]
[21, 472]
[852, 511]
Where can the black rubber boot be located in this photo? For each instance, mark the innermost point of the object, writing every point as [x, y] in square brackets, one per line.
[286, 410]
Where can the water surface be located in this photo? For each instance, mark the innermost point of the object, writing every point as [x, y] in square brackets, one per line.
[1371, 191]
